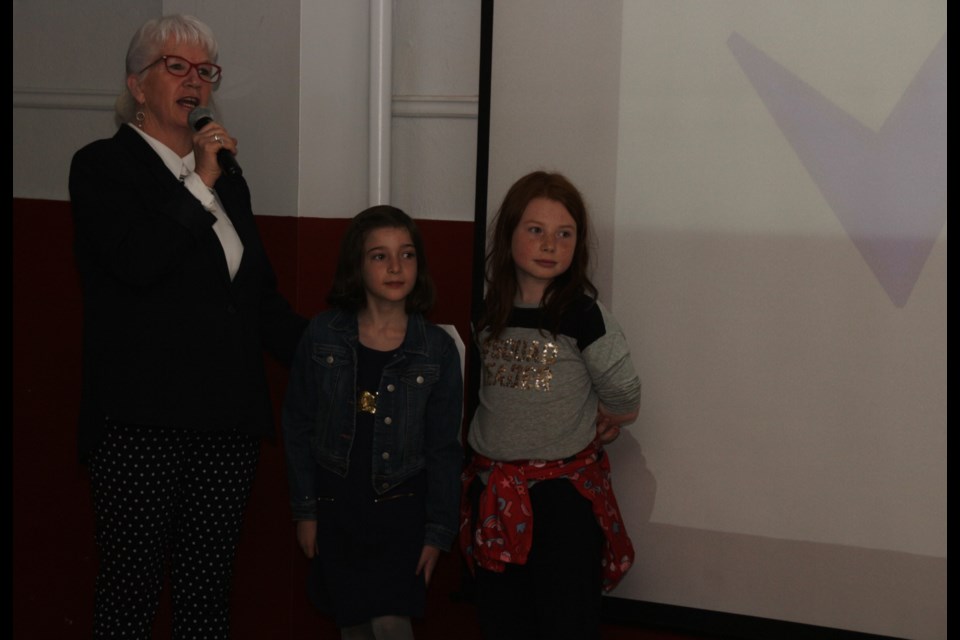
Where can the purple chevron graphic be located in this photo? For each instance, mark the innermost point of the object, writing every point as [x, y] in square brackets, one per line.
[887, 188]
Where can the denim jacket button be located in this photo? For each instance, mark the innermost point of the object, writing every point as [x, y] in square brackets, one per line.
[419, 379]
[390, 387]
[388, 420]
[385, 455]
[329, 359]
[385, 486]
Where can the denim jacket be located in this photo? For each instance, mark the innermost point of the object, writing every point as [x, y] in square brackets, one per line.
[417, 423]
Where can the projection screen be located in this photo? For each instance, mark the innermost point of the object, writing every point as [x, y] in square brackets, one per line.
[768, 188]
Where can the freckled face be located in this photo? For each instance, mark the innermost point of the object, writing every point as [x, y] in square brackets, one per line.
[167, 99]
[542, 246]
[389, 265]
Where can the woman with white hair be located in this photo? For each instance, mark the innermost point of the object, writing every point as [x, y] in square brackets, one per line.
[179, 302]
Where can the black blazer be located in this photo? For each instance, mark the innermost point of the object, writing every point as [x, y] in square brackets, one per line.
[168, 339]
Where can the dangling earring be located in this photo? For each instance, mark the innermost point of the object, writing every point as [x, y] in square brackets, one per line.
[140, 118]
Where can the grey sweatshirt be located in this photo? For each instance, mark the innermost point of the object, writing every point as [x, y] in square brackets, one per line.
[539, 394]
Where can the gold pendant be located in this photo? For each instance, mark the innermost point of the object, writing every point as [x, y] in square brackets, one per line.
[368, 402]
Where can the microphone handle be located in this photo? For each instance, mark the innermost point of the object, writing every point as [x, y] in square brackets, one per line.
[228, 163]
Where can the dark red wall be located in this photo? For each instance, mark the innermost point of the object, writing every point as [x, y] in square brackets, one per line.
[54, 559]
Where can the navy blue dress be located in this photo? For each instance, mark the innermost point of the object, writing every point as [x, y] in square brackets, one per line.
[368, 544]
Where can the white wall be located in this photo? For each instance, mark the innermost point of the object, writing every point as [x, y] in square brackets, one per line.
[333, 108]
[68, 67]
[295, 94]
[556, 79]
[436, 66]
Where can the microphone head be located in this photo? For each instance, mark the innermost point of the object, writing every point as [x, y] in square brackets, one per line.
[200, 117]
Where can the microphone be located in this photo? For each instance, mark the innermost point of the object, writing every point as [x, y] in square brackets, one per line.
[198, 119]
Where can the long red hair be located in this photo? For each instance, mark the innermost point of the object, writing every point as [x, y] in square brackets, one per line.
[501, 271]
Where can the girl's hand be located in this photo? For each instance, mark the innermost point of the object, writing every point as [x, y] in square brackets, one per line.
[307, 537]
[608, 425]
[607, 432]
[428, 562]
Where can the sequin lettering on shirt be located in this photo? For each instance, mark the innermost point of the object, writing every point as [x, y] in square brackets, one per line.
[519, 364]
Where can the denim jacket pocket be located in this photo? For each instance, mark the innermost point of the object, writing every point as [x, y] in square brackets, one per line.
[418, 382]
[331, 356]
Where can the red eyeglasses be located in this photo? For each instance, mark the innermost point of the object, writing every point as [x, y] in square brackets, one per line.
[180, 67]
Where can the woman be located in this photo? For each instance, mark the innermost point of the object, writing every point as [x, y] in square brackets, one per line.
[179, 301]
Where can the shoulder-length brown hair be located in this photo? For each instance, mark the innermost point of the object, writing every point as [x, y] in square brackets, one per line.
[501, 272]
[348, 292]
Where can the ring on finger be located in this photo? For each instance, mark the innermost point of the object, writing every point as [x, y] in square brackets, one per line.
[218, 139]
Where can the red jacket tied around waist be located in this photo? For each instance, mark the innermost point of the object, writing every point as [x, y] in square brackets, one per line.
[502, 531]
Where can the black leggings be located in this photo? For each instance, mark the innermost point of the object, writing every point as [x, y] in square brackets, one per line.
[557, 593]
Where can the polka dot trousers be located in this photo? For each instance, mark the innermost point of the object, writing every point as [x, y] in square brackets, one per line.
[175, 498]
